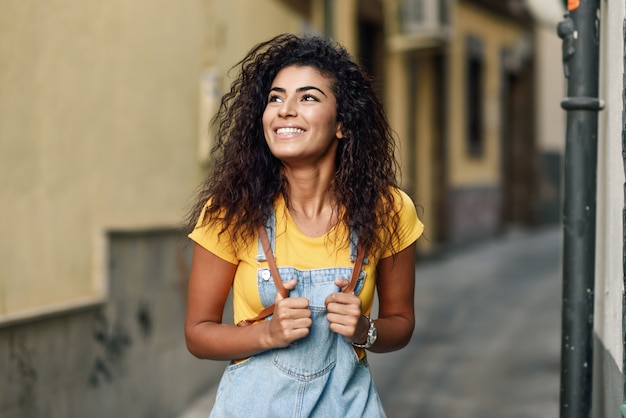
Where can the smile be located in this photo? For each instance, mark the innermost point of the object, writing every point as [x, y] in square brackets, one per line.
[288, 131]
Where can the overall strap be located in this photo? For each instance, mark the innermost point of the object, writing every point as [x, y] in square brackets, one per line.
[356, 270]
[269, 256]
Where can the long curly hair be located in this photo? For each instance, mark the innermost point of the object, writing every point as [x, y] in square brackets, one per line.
[246, 178]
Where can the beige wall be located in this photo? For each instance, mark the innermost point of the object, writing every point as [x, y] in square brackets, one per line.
[99, 118]
[425, 129]
[396, 104]
[464, 169]
[345, 30]
[551, 89]
[233, 27]
[609, 312]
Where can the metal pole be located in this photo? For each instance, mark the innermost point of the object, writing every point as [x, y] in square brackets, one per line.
[581, 36]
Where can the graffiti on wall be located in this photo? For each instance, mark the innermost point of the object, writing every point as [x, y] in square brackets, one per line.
[113, 342]
[24, 372]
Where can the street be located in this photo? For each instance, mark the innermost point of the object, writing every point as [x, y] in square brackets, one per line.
[487, 336]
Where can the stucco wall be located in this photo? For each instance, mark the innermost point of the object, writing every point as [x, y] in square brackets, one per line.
[551, 89]
[609, 349]
[98, 122]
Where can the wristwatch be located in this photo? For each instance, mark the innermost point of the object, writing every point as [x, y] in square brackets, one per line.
[372, 334]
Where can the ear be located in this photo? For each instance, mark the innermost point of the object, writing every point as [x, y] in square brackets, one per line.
[339, 131]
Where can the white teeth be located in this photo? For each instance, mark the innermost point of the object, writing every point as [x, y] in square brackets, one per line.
[287, 131]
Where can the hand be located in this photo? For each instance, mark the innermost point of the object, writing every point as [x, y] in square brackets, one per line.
[344, 314]
[291, 319]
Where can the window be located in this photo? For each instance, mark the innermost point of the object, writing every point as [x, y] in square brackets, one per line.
[474, 70]
[423, 15]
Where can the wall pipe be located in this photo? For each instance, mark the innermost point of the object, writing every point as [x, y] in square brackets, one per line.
[580, 31]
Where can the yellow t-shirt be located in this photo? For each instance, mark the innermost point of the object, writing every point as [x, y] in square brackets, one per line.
[302, 252]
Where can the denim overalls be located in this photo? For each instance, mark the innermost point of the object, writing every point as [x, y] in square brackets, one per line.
[317, 376]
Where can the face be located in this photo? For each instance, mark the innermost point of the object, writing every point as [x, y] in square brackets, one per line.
[300, 120]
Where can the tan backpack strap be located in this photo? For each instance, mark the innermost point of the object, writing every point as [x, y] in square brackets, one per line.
[356, 271]
[269, 256]
[262, 315]
[267, 249]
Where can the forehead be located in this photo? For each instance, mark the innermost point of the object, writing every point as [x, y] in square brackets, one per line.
[303, 75]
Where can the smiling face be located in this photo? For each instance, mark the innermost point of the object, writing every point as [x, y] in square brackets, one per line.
[300, 120]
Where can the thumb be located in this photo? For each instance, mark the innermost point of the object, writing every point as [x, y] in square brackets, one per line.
[290, 285]
[342, 283]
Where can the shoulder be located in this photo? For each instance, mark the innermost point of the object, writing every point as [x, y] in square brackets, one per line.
[212, 234]
[408, 227]
[403, 205]
[401, 198]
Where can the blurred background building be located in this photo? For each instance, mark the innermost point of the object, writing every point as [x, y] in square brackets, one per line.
[104, 111]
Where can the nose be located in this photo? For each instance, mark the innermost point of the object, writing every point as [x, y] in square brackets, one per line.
[287, 108]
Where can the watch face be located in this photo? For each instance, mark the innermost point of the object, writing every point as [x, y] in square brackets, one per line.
[372, 334]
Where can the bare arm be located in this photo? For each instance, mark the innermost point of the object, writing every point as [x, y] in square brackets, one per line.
[396, 288]
[209, 284]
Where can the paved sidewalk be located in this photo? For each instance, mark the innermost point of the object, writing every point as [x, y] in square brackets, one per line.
[487, 336]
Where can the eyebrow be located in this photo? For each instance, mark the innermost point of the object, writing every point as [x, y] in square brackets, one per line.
[298, 90]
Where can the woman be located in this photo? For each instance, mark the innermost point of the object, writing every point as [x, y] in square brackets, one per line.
[302, 194]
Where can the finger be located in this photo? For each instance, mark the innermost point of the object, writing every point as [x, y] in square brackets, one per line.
[340, 298]
[343, 313]
[345, 320]
[290, 285]
[346, 330]
[285, 332]
[342, 283]
[295, 304]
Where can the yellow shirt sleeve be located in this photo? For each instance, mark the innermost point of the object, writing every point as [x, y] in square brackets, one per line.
[209, 237]
[410, 228]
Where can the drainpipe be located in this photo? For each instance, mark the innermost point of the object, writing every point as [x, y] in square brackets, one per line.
[581, 36]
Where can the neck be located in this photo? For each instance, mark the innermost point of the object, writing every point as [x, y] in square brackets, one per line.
[309, 190]
[311, 204]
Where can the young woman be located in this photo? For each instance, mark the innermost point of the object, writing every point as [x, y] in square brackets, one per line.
[302, 195]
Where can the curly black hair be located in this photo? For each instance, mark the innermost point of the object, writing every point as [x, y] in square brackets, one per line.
[241, 198]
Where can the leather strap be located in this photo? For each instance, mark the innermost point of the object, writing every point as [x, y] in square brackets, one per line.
[267, 249]
[356, 270]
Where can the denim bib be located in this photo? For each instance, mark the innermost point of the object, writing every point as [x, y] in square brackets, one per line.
[319, 375]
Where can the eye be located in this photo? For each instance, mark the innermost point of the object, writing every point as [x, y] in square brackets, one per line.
[274, 98]
[309, 98]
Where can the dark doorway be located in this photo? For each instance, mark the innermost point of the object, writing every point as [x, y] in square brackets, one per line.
[519, 150]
